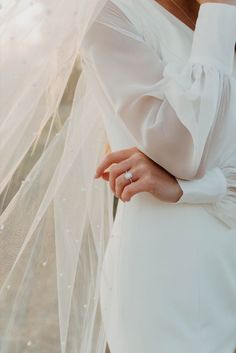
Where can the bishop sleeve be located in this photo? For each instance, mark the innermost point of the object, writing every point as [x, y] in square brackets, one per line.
[170, 112]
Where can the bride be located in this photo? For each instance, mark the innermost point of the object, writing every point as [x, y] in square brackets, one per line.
[168, 280]
[161, 91]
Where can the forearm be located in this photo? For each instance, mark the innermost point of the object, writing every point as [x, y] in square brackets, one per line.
[169, 111]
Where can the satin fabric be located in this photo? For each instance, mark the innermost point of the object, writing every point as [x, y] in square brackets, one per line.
[55, 218]
[176, 101]
[169, 281]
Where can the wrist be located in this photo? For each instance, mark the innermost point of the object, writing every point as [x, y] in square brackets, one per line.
[173, 192]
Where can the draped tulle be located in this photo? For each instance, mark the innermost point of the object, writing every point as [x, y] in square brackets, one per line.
[55, 219]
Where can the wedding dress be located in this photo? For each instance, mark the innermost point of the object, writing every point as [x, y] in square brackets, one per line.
[167, 280]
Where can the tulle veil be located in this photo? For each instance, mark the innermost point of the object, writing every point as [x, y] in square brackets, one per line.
[55, 218]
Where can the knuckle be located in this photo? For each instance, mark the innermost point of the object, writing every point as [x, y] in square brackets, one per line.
[122, 153]
[142, 168]
[148, 177]
[113, 171]
[134, 149]
[137, 157]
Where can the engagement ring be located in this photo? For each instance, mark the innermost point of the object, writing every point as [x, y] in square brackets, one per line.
[128, 176]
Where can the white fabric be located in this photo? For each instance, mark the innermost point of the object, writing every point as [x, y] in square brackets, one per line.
[169, 280]
[55, 219]
[179, 108]
[212, 45]
[211, 188]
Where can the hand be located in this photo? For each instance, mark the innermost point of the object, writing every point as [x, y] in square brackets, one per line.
[147, 176]
[227, 2]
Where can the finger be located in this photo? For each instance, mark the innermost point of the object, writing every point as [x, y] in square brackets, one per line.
[133, 189]
[106, 176]
[120, 184]
[118, 170]
[114, 157]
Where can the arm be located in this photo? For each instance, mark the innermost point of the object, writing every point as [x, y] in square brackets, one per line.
[218, 186]
[216, 189]
[143, 99]
[211, 188]
[164, 109]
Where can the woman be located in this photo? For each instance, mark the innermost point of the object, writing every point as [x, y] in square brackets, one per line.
[163, 97]
[169, 280]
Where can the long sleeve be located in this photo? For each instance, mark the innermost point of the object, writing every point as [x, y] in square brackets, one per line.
[169, 112]
[225, 208]
[209, 189]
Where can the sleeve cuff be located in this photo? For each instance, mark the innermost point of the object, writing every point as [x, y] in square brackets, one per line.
[215, 37]
[209, 189]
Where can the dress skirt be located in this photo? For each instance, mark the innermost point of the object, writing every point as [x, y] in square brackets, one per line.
[169, 280]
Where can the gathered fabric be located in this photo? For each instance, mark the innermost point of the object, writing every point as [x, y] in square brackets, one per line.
[178, 105]
[72, 71]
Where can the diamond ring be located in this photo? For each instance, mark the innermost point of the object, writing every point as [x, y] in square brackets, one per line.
[128, 176]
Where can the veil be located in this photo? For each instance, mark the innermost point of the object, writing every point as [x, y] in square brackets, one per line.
[55, 219]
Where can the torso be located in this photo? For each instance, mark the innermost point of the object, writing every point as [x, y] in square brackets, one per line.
[165, 265]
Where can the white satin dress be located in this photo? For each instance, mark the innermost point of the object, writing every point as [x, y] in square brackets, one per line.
[169, 273]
